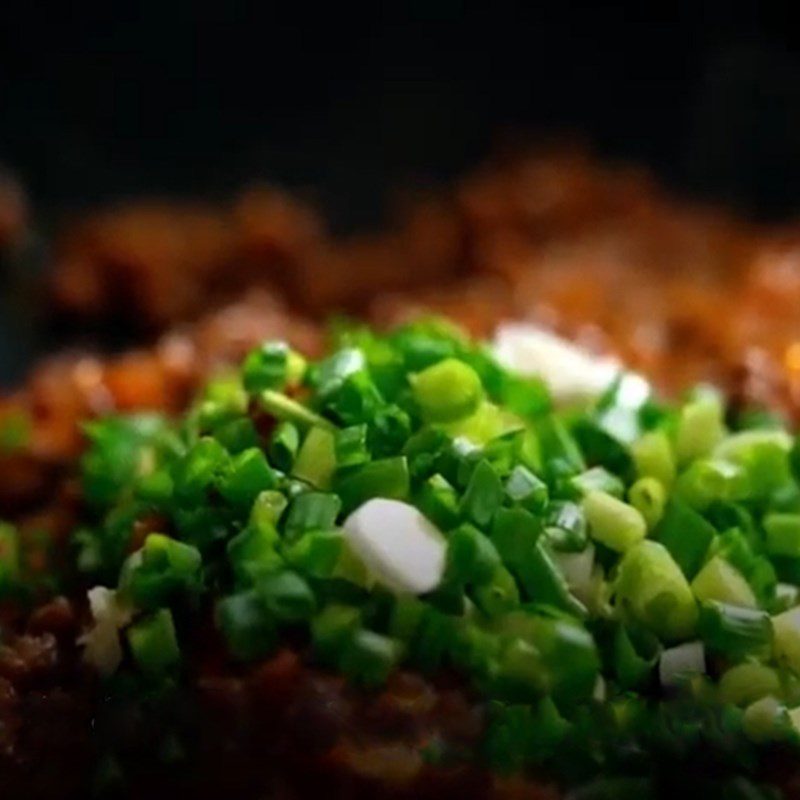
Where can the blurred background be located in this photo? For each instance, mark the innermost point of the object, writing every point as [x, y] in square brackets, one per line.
[349, 106]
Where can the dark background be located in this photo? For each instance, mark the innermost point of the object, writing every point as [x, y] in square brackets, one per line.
[169, 97]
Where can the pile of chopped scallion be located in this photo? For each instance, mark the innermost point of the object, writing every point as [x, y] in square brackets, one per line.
[408, 502]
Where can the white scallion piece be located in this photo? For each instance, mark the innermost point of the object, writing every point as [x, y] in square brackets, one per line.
[571, 372]
[101, 645]
[681, 662]
[577, 571]
[400, 548]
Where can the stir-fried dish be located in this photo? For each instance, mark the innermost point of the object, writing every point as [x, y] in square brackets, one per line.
[266, 557]
[605, 586]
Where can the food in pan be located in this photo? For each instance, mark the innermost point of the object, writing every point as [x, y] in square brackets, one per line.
[202, 585]
[419, 565]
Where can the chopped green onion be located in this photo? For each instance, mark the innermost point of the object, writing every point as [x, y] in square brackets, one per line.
[433, 640]
[606, 437]
[386, 478]
[424, 342]
[560, 453]
[580, 572]
[525, 395]
[528, 450]
[317, 553]
[524, 734]
[719, 580]
[156, 488]
[425, 450]
[162, 568]
[515, 533]
[471, 556]
[686, 534]
[438, 501]
[332, 629]
[518, 673]
[355, 400]
[735, 631]
[351, 446]
[246, 476]
[745, 683]
[565, 527]
[236, 435]
[767, 466]
[406, 617]
[523, 488]
[459, 462]
[543, 581]
[118, 448]
[266, 367]
[786, 596]
[648, 497]
[504, 452]
[569, 653]
[267, 509]
[766, 720]
[596, 479]
[636, 654]
[312, 511]
[414, 501]
[252, 553]
[651, 587]
[497, 595]
[287, 596]
[785, 499]
[786, 627]
[316, 461]
[284, 408]
[700, 428]
[735, 547]
[652, 455]
[488, 423]
[389, 430]
[738, 446]
[707, 481]
[329, 375]
[483, 496]
[203, 526]
[247, 625]
[368, 658]
[447, 391]
[612, 522]
[283, 445]
[154, 643]
[475, 649]
[511, 735]
[199, 470]
[783, 534]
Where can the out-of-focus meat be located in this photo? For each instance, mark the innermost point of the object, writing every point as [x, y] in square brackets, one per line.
[13, 211]
[147, 265]
[45, 708]
[69, 388]
[680, 291]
